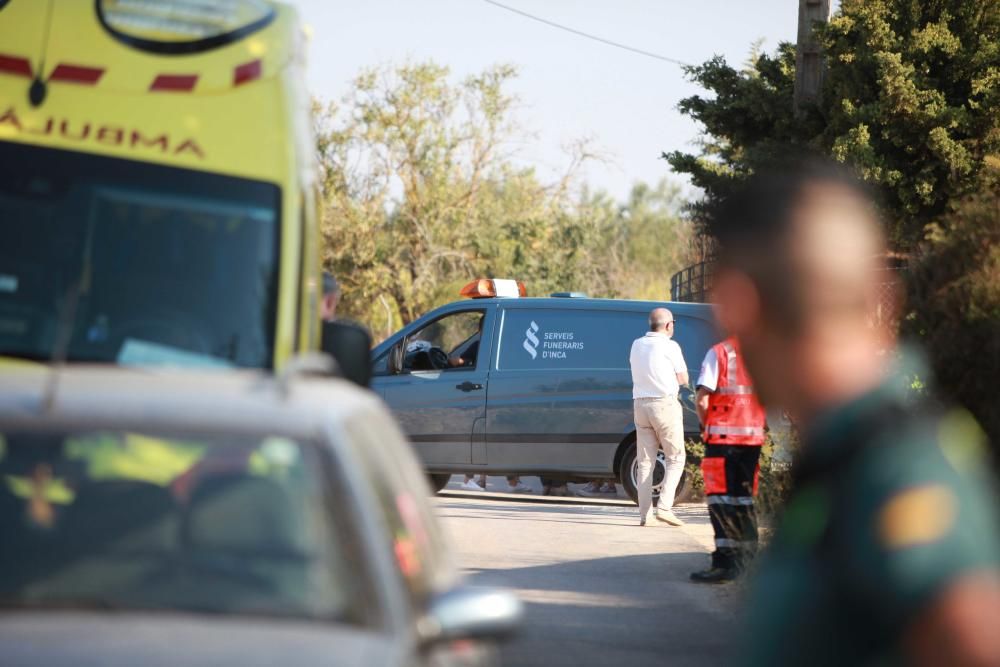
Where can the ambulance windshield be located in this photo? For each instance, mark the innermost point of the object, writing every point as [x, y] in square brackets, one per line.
[125, 262]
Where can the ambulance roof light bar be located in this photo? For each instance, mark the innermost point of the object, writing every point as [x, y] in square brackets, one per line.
[486, 288]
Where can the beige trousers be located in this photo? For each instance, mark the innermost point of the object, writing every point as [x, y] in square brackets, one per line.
[659, 424]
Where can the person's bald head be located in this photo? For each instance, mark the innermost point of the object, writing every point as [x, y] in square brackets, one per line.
[660, 320]
[797, 275]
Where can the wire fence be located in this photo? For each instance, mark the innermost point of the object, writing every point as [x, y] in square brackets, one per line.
[889, 301]
[694, 285]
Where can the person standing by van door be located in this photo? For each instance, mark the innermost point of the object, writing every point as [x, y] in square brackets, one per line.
[733, 432]
[658, 371]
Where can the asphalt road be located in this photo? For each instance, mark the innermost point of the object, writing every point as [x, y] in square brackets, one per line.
[599, 590]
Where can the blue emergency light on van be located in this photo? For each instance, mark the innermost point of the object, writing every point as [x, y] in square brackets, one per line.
[502, 384]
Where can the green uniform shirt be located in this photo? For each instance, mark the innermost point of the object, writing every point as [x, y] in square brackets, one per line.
[891, 505]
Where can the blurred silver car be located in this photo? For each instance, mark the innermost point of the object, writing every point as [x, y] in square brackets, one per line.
[165, 518]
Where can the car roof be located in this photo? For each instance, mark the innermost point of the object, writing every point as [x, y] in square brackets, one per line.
[172, 400]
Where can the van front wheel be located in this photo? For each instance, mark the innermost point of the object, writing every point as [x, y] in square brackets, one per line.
[628, 473]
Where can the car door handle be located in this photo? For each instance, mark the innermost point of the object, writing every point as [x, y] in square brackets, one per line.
[469, 386]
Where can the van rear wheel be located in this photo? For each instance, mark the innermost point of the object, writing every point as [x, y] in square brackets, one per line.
[439, 480]
[628, 473]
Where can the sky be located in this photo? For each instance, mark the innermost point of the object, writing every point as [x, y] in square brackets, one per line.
[569, 87]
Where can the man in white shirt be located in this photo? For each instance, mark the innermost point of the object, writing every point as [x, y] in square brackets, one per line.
[658, 370]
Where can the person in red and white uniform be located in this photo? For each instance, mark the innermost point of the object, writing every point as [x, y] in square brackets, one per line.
[733, 431]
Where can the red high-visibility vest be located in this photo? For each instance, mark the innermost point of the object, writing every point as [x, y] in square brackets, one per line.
[734, 417]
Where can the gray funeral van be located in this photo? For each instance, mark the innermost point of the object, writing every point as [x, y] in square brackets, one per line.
[529, 385]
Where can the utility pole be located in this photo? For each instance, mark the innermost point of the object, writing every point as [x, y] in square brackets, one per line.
[808, 55]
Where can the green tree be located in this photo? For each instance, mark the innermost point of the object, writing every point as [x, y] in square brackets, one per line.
[423, 191]
[648, 240]
[411, 166]
[954, 297]
[911, 98]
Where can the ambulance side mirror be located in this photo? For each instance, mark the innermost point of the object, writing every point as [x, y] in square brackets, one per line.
[350, 345]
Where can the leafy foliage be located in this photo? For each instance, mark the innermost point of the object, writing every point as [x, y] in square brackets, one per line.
[423, 191]
[911, 98]
[955, 300]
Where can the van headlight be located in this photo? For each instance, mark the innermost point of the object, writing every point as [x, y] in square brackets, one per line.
[182, 26]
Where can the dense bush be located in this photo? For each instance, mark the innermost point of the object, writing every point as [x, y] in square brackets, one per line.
[954, 303]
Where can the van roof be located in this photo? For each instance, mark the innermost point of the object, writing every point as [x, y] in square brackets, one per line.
[584, 303]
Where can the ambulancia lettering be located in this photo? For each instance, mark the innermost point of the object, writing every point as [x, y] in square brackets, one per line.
[115, 136]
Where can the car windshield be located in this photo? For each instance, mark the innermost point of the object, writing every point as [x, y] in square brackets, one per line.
[126, 262]
[126, 520]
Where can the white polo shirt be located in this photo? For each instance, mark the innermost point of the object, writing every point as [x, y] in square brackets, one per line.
[655, 360]
[709, 377]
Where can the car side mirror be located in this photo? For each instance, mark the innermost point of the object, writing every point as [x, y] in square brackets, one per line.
[396, 359]
[469, 612]
[350, 345]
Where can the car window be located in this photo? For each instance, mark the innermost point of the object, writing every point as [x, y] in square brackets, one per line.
[449, 343]
[228, 525]
[401, 493]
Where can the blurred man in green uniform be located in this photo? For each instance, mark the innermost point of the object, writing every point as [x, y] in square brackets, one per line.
[887, 551]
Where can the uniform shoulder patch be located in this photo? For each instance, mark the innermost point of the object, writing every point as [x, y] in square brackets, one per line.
[918, 515]
[962, 441]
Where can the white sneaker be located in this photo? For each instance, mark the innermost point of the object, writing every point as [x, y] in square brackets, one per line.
[520, 487]
[472, 485]
[668, 517]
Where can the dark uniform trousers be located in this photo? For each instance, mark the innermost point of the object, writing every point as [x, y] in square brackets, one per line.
[730, 473]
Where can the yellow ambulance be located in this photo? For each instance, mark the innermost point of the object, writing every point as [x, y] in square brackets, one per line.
[157, 183]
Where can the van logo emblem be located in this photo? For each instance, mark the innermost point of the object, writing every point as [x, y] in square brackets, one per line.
[531, 340]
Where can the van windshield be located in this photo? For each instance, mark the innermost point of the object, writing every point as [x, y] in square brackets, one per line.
[134, 263]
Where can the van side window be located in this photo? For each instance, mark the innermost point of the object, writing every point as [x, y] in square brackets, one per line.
[449, 343]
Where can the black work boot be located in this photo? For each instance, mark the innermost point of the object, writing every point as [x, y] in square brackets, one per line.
[714, 575]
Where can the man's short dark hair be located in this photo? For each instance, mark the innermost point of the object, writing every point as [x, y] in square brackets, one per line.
[753, 225]
[330, 284]
[758, 212]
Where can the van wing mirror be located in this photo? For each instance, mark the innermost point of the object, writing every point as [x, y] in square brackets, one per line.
[350, 345]
[396, 359]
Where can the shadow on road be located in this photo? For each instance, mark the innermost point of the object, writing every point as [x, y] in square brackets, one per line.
[623, 610]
